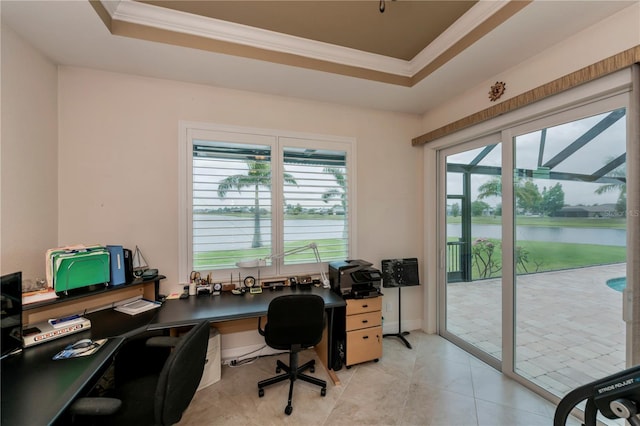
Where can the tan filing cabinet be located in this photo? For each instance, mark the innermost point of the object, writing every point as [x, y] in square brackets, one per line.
[364, 330]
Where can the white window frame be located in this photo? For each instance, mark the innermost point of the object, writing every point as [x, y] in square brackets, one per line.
[277, 139]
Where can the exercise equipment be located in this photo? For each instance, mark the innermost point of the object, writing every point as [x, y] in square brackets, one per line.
[616, 397]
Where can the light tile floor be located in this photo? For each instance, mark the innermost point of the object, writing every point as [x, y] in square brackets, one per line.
[569, 327]
[435, 383]
[569, 332]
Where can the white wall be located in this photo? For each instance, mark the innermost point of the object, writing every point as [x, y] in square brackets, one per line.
[91, 157]
[118, 166]
[29, 169]
[613, 35]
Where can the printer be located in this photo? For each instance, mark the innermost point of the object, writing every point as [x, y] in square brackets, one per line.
[355, 279]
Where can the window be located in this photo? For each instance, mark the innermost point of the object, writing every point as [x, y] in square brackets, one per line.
[257, 194]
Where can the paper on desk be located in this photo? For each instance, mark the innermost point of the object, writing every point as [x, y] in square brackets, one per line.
[38, 296]
[137, 306]
[74, 353]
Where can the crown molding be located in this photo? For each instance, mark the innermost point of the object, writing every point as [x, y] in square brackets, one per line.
[111, 6]
[185, 23]
[479, 13]
[430, 58]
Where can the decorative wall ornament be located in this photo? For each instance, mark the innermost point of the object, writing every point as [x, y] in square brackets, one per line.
[497, 90]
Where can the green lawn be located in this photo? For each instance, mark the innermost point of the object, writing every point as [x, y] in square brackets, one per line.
[554, 256]
[329, 249]
[540, 256]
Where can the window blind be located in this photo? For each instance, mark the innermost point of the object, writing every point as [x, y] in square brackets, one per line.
[315, 195]
[231, 203]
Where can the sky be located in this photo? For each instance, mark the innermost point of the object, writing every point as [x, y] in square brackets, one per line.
[607, 145]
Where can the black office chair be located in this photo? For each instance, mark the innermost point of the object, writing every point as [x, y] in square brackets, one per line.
[294, 322]
[152, 398]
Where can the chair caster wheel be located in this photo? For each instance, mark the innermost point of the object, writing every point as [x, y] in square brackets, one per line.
[323, 392]
[260, 393]
[278, 370]
[376, 360]
[312, 369]
[288, 410]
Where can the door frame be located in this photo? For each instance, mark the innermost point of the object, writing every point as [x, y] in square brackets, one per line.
[554, 109]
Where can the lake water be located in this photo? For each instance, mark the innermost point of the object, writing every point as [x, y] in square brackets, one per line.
[601, 236]
[235, 233]
[210, 236]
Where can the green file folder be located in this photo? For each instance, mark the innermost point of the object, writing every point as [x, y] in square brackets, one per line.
[80, 268]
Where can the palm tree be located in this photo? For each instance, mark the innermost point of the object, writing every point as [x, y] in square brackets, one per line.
[258, 174]
[341, 193]
[618, 172]
[491, 188]
[527, 195]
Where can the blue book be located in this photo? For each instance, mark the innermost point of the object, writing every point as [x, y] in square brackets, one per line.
[117, 265]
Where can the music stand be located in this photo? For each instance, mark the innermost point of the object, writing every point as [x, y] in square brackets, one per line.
[400, 273]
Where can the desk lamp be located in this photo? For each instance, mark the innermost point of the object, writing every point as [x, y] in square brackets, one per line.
[258, 263]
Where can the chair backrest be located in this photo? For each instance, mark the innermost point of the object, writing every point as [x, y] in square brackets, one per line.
[295, 319]
[181, 374]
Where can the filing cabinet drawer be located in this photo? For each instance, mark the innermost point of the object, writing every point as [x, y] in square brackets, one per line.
[364, 345]
[369, 319]
[359, 306]
[363, 330]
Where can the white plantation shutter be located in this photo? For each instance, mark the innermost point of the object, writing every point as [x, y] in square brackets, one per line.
[224, 223]
[316, 203]
[299, 188]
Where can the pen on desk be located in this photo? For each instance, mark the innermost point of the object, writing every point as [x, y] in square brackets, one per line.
[54, 321]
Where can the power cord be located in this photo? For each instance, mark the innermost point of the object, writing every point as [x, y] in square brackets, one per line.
[250, 360]
[243, 360]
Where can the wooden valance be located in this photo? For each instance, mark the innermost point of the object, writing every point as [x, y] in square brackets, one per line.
[601, 68]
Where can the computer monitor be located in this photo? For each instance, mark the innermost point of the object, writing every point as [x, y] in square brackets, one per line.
[11, 313]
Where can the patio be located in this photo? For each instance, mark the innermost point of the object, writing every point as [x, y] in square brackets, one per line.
[569, 327]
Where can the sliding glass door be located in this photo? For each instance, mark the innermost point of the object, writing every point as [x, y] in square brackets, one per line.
[533, 246]
[473, 234]
[569, 185]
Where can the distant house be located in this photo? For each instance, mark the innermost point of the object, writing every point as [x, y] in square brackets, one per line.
[602, 210]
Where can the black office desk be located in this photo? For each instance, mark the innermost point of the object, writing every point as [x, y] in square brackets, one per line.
[36, 390]
[228, 307]
[111, 323]
[231, 307]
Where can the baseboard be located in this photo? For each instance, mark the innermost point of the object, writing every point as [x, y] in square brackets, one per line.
[407, 325]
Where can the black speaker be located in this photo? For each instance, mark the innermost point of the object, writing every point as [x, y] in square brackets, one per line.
[400, 272]
[128, 265]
